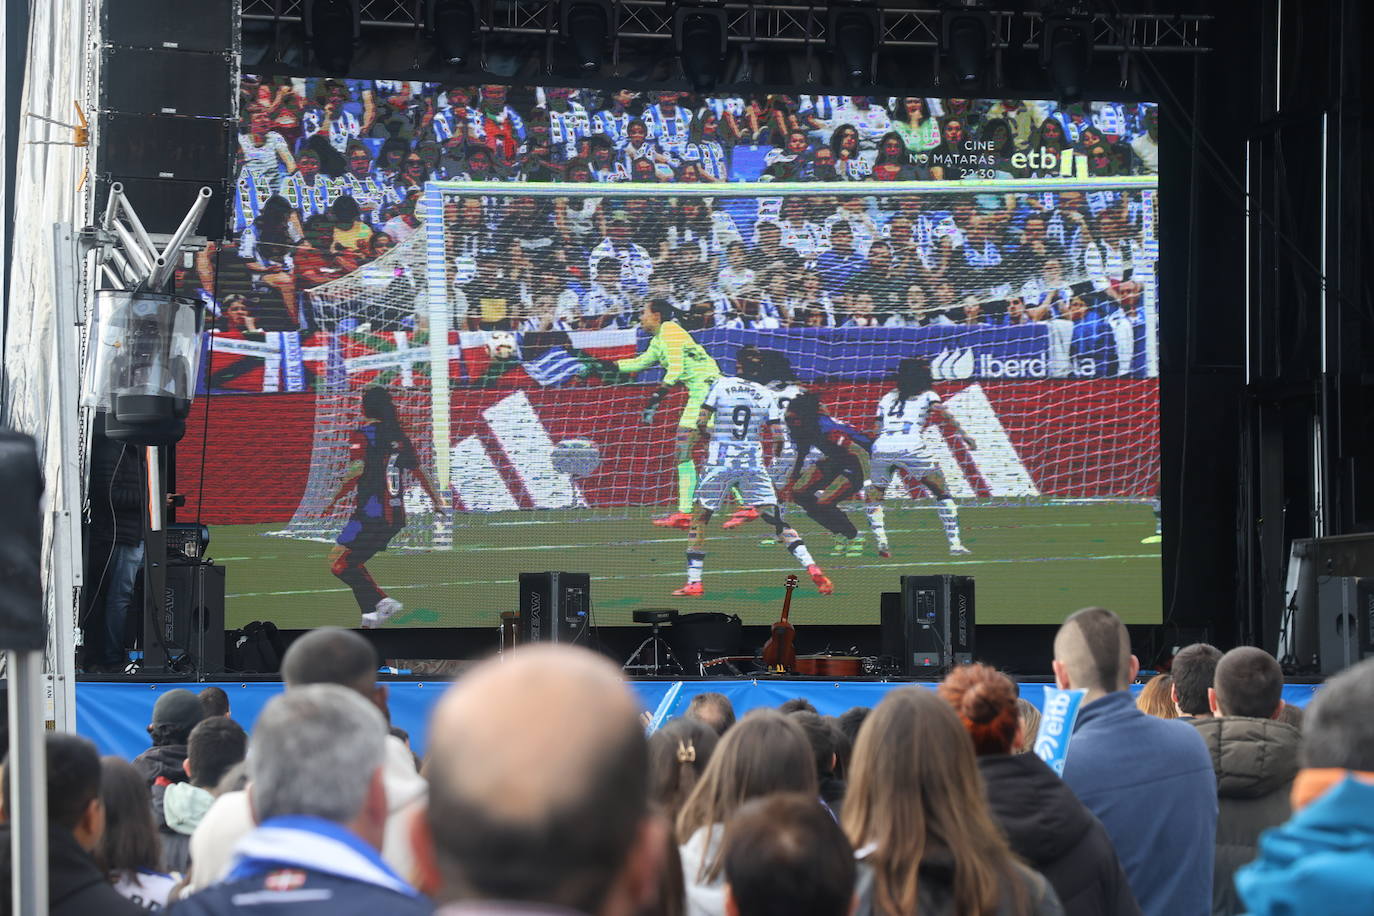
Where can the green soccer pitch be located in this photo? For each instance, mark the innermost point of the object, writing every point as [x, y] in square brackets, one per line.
[1033, 564]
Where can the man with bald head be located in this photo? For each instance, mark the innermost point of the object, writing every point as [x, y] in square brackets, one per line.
[538, 795]
[1148, 780]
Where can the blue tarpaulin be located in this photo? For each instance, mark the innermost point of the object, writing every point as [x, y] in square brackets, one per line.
[115, 715]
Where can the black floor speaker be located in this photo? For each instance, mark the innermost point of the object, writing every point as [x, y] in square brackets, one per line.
[1345, 622]
[927, 627]
[194, 626]
[554, 606]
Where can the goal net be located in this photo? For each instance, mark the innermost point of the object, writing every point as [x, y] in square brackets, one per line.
[374, 330]
[1034, 301]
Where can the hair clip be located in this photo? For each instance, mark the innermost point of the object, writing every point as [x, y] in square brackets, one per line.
[686, 753]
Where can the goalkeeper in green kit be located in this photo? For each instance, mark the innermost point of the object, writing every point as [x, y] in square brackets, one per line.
[684, 362]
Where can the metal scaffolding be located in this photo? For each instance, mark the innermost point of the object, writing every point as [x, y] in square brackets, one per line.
[905, 25]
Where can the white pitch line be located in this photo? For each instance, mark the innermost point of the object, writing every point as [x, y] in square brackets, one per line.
[716, 537]
[677, 573]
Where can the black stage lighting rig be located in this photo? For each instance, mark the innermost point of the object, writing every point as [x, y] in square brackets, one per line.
[699, 33]
[966, 41]
[853, 34]
[585, 26]
[332, 30]
[1066, 49]
[453, 26]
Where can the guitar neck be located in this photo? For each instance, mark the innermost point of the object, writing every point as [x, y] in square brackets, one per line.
[787, 603]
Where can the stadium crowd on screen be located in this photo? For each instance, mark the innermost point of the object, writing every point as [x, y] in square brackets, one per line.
[331, 177]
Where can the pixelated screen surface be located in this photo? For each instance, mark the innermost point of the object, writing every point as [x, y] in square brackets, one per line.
[421, 385]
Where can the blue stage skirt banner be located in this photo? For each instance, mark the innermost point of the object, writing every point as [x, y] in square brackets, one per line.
[116, 715]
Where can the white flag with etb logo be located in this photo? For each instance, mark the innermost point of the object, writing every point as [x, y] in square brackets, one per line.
[1056, 725]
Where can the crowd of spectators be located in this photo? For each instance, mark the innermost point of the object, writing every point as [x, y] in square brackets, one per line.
[884, 261]
[539, 794]
[331, 176]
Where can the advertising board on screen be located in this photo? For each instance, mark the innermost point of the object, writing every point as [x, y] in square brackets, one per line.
[465, 332]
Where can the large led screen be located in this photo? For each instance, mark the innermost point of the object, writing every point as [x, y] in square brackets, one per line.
[467, 332]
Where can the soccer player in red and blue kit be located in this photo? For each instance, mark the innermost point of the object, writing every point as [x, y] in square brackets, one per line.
[838, 475]
[379, 454]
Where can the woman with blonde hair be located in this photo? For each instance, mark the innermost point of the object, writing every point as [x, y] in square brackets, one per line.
[1030, 726]
[1156, 698]
[919, 820]
[765, 752]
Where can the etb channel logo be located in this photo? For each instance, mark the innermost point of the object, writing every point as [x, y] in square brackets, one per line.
[1057, 716]
[1069, 163]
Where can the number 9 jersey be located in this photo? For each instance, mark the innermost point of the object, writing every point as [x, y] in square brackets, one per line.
[740, 410]
[734, 456]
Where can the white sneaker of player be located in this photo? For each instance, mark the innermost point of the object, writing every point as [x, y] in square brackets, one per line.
[957, 549]
[386, 609]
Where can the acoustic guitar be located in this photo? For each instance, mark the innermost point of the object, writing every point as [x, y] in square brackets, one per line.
[780, 652]
[827, 665]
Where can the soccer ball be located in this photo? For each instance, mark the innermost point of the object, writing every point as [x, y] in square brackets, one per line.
[501, 345]
[576, 457]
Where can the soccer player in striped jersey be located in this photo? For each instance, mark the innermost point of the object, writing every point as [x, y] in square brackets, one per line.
[739, 418]
[775, 372]
[684, 362]
[904, 413]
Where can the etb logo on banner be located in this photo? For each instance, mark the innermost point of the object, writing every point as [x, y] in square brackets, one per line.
[1056, 725]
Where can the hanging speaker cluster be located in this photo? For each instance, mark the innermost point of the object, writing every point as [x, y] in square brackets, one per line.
[167, 107]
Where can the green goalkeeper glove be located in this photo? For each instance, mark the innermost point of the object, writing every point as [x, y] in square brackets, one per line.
[606, 368]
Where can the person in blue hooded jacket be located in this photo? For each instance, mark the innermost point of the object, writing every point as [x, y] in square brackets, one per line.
[1321, 862]
[1149, 781]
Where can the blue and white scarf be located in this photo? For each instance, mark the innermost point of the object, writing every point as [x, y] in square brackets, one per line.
[312, 844]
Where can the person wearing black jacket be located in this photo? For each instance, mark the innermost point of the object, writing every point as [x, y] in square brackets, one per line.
[823, 747]
[163, 765]
[1045, 822]
[76, 821]
[115, 553]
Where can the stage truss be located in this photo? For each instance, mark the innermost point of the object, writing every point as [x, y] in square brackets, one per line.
[905, 25]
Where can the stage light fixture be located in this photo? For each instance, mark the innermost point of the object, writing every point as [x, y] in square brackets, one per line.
[453, 25]
[1066, 49]
[966, 42]
[699, 36]
[585, 25]
[332, 30]
[853, 33]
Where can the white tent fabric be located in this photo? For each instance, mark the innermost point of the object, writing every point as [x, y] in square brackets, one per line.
[59, 71]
